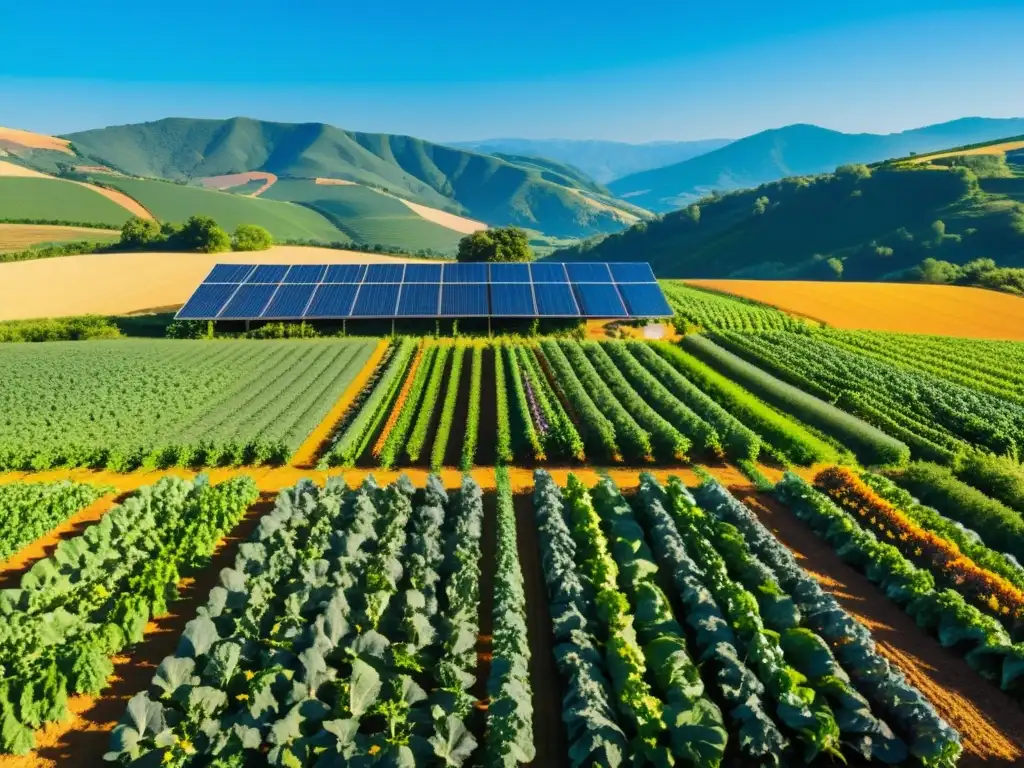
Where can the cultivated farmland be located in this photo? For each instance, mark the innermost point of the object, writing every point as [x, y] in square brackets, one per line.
[43, 199]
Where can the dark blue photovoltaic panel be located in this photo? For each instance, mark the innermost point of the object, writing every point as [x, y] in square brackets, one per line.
[206, 301]
[512, 299]
[268, 273]
[344, 273]
[510, 273]
[305, 273]
[333, 300]
[289, 301]
[589, 273]
[384, 273]
[248, 301]
[228, 273]
[419, 300]
[465, 273]
[555, 300]
[548, 273]
[633, 272]
[644, 299]
[423, 273]
[376, 300]
[464, 300]
[599, 300]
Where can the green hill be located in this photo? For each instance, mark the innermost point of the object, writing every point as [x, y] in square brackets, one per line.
[795, 150]
[168, 201]
[368, 216]
[877, 222]
[54, 200]
[490, 189]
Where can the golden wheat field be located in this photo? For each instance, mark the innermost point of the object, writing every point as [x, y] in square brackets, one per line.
[18, 237]
[936, 309]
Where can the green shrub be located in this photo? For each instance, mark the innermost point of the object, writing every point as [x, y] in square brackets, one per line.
[999, 526]
[871, 444]
[201, 233]
[250, 237]
[59, 329]
[786, 436]
[998, 476]
[138, 233]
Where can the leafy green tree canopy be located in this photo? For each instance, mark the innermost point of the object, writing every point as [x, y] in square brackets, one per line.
[138, 232]
[202, 234]
[500, 244]
[251, 237]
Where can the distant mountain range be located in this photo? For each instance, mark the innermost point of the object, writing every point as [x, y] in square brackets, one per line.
[540, 195]
[604, 161]
[795, 150]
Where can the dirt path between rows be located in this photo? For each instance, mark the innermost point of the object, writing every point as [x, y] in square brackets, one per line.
[990, 722]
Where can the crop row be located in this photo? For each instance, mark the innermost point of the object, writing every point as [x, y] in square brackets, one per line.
[704, 309]
[638, 691]
[129, 403]
[76, 609]
[29, 510]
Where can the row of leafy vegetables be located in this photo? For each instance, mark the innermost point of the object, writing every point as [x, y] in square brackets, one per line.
[92, 598]
[771, 671]
[345, 634]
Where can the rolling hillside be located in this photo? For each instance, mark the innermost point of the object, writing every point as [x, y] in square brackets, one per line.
[869, 223]
[45, 199]
[603, 161]
[490, 189]
[795, 150]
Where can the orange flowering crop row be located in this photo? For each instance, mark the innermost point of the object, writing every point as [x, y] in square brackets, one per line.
[403, 395]
[988, 590]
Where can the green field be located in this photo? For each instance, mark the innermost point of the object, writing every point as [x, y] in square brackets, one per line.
[176, 202]
[368, 216]
[53, 200]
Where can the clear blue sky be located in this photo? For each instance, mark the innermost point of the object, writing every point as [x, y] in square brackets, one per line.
[632, 71]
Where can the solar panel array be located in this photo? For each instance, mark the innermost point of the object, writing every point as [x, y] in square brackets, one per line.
[419, 290]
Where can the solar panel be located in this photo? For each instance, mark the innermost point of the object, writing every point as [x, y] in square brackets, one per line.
[599, 300]
[465, 273]
[321, 291]
[423, 273]
[268, 273]
[344, 273]
[384, 273]
[632, 272]
[510, 273]
[588, 273]
[332, 300]
[229, 273]
[290, 301]
[419, 300]
[248, 301]
[512, 300]
[305, 273]
[207, 301]
[555, 300]
[644, 299]
[464, 300]
[376, 300]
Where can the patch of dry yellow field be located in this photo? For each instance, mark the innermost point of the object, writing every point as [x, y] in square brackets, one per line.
[945, 310]
[451, 221]
[237, 179]
[126, 283]
[18, 237]
[994, 149]
[12, 137]
[10, 169]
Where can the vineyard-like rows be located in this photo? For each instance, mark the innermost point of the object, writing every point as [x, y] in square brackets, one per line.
[704, 309]
[130, 403]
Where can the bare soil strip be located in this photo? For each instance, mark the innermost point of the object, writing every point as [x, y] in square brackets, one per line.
[319, 439]
[230, 180]
[451, 221]
[20, 171]
[13, 137]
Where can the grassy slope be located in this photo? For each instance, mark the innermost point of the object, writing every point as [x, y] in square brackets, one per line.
[479, 186]
[792, 151]
[54, 200]
[368, 216]
[176, 202]
[807, 220]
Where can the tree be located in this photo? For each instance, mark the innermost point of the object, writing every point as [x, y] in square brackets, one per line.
[760, 205]
[836, 267]
[138, 233]
[250, 237]
[202, 234]
[883, 251]
[939, 272]
[939, 230]
[499, 244]
[857, 171]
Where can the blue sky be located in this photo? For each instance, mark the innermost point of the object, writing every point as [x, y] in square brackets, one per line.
[638, 71]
